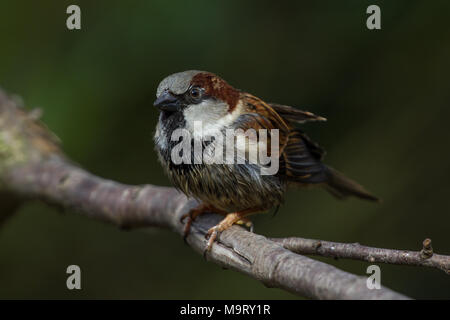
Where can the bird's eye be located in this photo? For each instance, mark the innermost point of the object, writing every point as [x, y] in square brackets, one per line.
[195, 92]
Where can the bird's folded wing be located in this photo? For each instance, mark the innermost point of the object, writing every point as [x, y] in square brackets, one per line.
[299, 157]
[259, 115]
[295, 115]
[301, 160]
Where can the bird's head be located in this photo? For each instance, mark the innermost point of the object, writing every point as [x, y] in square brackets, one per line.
[197, 96]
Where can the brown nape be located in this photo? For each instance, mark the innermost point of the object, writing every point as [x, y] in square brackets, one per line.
[217, 88]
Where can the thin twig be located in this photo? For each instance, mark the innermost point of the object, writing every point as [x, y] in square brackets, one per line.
[423, 258]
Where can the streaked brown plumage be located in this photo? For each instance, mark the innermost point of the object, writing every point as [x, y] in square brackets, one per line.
[238, 190]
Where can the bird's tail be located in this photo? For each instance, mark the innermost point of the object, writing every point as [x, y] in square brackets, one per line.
[342, 187]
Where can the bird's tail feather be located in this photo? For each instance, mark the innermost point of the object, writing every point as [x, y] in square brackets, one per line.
[342, 187]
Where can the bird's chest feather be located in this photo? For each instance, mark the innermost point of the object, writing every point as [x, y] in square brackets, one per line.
[229, 187]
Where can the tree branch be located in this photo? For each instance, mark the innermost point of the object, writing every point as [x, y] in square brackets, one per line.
[423, 258]
[32, 166]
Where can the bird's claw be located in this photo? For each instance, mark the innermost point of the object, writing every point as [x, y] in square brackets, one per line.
[184, 216]
[189, 217]
[187, 228]
[229, 220]
[211, 236]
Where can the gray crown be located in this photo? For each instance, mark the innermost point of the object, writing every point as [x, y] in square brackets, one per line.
[177, 83]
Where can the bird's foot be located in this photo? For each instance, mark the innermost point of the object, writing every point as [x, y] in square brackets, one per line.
[193, 214]
[230, 219]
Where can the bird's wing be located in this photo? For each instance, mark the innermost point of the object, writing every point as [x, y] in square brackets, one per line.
[295, 115]
[260, 115]
[300, 160]
[253, 104]
[299, 157]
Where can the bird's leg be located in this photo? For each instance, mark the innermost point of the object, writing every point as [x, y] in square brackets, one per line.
[230, 219]
[194, 213]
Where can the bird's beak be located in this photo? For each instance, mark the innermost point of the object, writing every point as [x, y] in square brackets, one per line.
[167, 102]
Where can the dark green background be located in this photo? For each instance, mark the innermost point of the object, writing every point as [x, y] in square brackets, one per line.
[386, 95]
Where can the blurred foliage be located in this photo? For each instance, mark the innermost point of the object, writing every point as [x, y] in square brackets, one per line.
[385, 93]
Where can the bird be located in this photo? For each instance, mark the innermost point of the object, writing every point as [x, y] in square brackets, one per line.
[236, 189]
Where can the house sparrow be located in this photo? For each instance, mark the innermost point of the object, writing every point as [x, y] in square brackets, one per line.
[237, 190]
